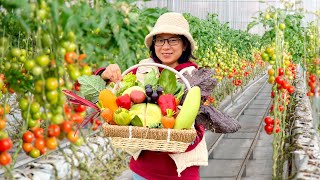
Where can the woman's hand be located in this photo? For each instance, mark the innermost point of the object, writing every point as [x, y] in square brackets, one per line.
[112, 73]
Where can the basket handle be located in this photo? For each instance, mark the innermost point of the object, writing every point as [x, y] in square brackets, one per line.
[185, 81]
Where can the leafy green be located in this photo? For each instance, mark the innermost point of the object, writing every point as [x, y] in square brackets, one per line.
[151, 78]
[179, 90]
[128, 80]
[168, 81]
[91, 87]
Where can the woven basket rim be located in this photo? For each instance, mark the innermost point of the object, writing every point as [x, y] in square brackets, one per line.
[186, 136]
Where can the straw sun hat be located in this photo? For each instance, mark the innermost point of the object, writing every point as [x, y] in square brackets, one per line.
[172, 23]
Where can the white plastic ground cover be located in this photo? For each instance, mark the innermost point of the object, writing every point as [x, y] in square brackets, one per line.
[56, 165]
[307, 157]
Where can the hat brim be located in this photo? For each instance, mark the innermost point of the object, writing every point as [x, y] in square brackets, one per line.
[170, 30]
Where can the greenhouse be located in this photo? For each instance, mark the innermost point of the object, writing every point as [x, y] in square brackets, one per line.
[160, 89]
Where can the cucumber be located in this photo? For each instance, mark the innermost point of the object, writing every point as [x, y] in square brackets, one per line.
[189, 110]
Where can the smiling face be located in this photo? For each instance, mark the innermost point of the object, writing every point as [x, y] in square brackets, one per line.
[169, 54]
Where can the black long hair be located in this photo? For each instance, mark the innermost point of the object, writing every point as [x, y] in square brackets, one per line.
[185, 56]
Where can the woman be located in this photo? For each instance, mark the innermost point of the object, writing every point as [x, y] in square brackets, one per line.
[171, 44]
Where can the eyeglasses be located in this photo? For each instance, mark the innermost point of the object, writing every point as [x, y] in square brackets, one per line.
[171, 41]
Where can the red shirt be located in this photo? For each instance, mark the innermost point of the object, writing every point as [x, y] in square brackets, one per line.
[154, 165]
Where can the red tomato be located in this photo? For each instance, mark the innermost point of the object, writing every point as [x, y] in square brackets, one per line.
[43, 151]
[291, 89]
[77, 86]
[5, 158]
[27, 147]
[38, 132]
[268, 129]
[40, 143]
[285, 85]
[69, 57]
[5, 144]
[280, 71]
[95, 127]
[268, 120]
[77, 118]
[281, 108]
[66, 126]
[52, 143]
[81, 57]
[272, 94]
[279, 80]
[80, 108]
[277, 129]
[67, 108]
[312, 78]
[72, 136]
[53, 130]
[28, 137]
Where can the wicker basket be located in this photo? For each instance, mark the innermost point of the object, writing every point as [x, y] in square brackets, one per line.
[133, 137]
[143, 138]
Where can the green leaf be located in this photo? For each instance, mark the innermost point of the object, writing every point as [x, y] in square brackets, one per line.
[151, 78]
[91, 87]
[168, 81]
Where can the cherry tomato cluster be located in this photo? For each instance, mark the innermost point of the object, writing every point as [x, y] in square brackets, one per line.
[76, 115]
[270, 123]
[37, 142]
[5, 141]
[312, 83]
[76, 67]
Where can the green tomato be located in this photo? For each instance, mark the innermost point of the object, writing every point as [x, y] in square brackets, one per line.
[46, 40]
[74, 74]
[36, 116]
[52, 83]
[15, 66]
[23, 52]
[86, 70]
[22, 59]
[7, 65]
[29, 64]
[15, 52]
[34, 153]
[282, 26]
[267, 16]
[52, 96]
[43, 60]
[3, 134]
[79, 141]
[61, 99]
[23, 103]
[38, 86]
[37, 70]
[57, 119]
[1, 94]
[71, 36]
[32, 123]
[72, 47]
[35, 107]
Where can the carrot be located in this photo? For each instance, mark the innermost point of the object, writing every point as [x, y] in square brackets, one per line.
[168, 120]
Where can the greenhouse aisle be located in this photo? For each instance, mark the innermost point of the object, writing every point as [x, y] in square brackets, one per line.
[261, 165]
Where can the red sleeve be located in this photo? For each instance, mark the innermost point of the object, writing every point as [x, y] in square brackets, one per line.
[99, 71]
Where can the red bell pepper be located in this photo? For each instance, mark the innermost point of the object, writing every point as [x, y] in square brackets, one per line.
[167, 101]
[124, 101]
